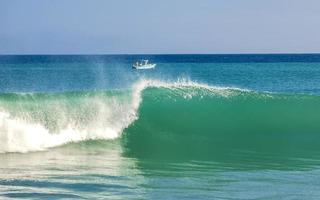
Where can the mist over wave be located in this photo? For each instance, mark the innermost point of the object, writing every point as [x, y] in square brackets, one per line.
[32, 122]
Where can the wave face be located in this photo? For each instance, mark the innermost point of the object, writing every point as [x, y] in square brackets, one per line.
[205, 123]
[181, 113]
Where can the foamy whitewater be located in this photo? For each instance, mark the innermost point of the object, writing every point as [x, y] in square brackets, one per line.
[104, 117]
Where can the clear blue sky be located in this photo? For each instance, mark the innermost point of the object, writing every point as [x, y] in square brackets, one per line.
[163, 26]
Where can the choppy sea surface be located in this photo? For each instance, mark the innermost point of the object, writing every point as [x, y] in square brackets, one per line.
[195, 127]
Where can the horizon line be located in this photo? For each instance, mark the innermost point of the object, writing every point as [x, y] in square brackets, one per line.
[159, 54]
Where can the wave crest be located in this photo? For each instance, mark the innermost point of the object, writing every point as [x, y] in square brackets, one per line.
[34, 122]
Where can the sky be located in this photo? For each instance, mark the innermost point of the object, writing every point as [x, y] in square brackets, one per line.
[159, 27]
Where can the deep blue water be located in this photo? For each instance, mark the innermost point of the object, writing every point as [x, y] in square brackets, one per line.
[277, 73]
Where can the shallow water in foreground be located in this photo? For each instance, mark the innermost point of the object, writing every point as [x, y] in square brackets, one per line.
[98, 169]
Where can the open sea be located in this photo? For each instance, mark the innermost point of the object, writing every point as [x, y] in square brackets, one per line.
[195, 127]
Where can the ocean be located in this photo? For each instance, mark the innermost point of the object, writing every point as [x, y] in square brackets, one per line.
[195, 127]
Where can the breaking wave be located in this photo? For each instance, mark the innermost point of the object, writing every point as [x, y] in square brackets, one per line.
[38, 121]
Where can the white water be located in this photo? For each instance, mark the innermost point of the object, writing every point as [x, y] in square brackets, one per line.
[95, 117]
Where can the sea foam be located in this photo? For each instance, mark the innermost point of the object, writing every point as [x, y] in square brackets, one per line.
[57, 119]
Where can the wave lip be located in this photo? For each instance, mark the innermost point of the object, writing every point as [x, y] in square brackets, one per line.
[35, 122]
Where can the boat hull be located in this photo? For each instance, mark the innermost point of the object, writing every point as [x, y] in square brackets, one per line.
[148, 66]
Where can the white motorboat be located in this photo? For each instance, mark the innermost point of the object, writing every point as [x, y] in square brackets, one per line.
[143, 64]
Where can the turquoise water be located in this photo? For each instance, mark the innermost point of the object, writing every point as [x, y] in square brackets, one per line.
[196, 127]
